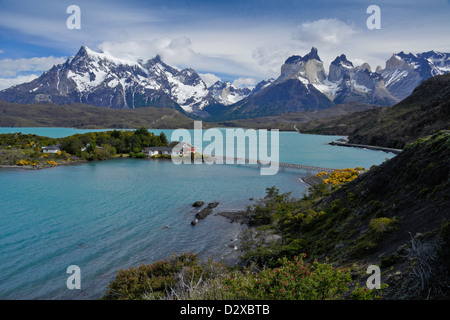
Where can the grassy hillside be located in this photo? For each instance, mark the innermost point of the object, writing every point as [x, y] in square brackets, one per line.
[84, 116]
[395, 216]
[286, 121]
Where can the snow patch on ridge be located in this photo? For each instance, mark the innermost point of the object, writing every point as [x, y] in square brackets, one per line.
[87, 81]
[328, 88]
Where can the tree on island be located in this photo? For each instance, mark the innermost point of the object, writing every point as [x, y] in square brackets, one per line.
[163, 139]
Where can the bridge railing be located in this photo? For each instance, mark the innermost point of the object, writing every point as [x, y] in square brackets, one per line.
[280, 164]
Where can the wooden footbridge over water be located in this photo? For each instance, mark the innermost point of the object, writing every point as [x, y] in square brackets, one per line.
[231, 160]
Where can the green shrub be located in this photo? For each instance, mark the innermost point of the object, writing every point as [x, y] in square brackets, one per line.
[185, 277]
[155, 279]
[369, 241]
[363, 246]
[366, 293]
[389, 260]
[382, 225]
[293, 247]
[293, 280]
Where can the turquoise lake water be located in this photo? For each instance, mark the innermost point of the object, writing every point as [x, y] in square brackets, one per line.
[103, 216]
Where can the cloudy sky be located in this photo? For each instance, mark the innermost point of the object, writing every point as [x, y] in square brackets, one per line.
[243, 41]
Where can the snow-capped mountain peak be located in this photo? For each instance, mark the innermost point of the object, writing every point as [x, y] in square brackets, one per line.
[226, 93]
[104, 80]
[404, 72]
[344, 82]
[308, 69]
[342, 61]
[85, 52]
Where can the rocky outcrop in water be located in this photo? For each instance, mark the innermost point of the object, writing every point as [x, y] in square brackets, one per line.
[202, 214]
[198, 203]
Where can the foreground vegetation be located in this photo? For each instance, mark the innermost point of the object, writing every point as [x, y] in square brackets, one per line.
[394, 216]
[186, 277]
[269, 270]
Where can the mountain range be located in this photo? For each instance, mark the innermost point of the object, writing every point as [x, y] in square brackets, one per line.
[424, 112]
[103, 80]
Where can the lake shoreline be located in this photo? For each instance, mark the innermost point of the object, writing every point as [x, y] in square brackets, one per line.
[365, 146]
[37, 167]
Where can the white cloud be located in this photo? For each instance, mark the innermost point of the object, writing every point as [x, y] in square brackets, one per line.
[209, 78]
[9, 82]
[324, 32]
[179, 52]
[234, 45]
[176, 51]
[244, 82]
[273, 56]
[13, 67]
[358, 62]
[45, 21]
[260, 52]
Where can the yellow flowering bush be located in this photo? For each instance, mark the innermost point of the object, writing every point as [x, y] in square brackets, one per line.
[339, 176]
[322, 173]
[53, 163]
[23, 163]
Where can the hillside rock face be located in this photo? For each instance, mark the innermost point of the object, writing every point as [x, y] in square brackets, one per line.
[262, 84]
[346, 84]
[289, 96]
[339, 68]
[411, 189]
[309, 68]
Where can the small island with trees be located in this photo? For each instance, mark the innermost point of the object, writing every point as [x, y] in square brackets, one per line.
[35, 152]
